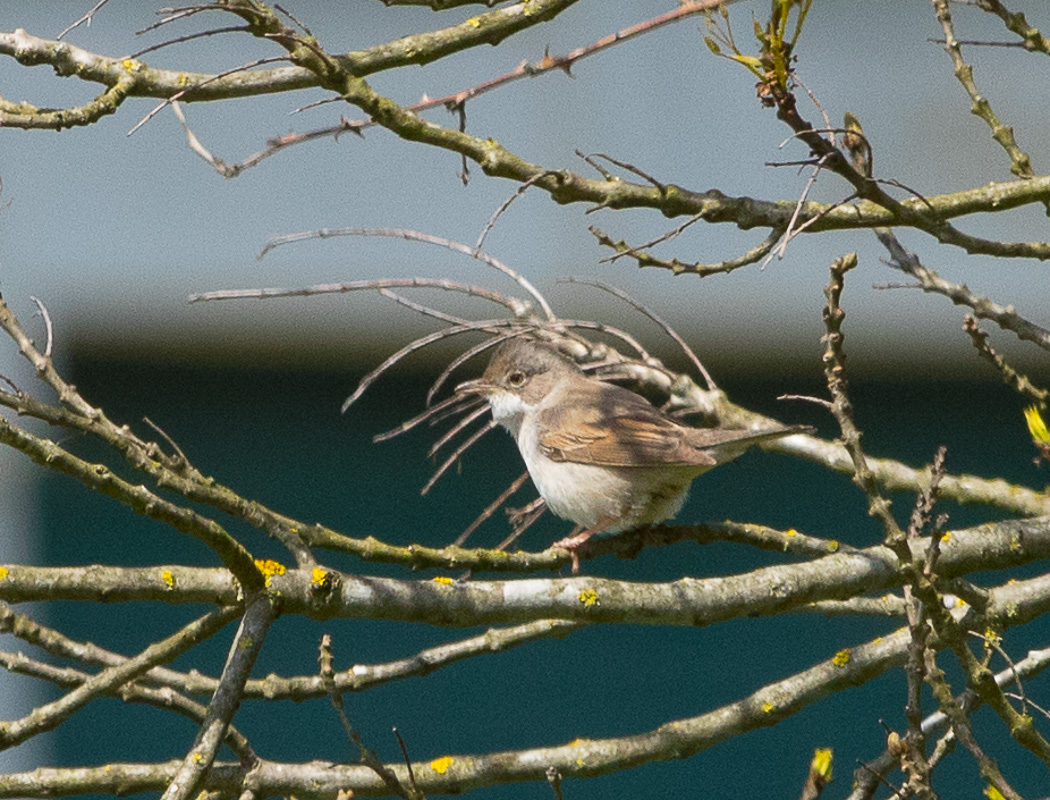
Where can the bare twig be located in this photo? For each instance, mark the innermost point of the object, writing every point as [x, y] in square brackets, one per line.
[1020, 164]
[690, 354]
[492, 507]
[417, 344]
[1010, 376]
[367, 755]
[835, 370]
[444, 284]
[992, 643]
[460, 450]
[42, 311]
[664, 237]
[188, 38]
[416, 236]
[701, 269]
[179, 95]
[454, 404]
[462, 358]
[506, 204]
[84, 20]
[1006, 317]
[461, 425]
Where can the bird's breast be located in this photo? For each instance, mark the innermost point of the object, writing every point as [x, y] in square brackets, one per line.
[620, 498]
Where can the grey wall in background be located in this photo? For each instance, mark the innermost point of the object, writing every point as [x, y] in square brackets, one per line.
[113, 232]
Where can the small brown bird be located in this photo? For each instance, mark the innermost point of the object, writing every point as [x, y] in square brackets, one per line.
[599, 454]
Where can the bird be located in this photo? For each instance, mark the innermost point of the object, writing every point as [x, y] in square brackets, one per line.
[599, 454]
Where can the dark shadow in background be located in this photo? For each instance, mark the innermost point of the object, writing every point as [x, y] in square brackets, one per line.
[278, 437]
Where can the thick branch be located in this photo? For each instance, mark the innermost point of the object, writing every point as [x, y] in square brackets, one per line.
[247, 644]
[490, 27]
[583, 758]
[687, 601]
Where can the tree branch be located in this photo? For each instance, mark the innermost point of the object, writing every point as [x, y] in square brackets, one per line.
[51, 715]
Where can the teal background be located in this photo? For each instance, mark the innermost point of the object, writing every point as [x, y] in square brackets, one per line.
[278, 437]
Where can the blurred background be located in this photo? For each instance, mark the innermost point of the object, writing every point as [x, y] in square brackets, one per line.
[113, 233]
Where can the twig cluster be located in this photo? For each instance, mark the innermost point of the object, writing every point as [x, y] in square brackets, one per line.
[920, 574]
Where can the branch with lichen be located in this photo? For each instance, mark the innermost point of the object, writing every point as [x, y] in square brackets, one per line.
[332, 594]
[344, 74]
[140, 499]
[824, 585]
[175, 473]
[582, 758]
[357, 678]
[141, 80]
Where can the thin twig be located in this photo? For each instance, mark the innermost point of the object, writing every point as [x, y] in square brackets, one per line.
[426, 311]
[492, 507]
[454, 456]
[42, 310]
[506, 204]
[462, 358]
[86, 19]
[456, 429]
[367, 755]
[992, 643]
[455, 404]
[411, 347]
[664, 237]
[416, 236]
[445, 284]
[626, 166]
[175, 14]
[521, 519]
[179, 95]
[620, 293]
[187, 38]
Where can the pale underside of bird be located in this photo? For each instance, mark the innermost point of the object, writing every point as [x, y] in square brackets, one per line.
[600, 455]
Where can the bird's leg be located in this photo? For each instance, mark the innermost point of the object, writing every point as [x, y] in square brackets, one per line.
[579, 536]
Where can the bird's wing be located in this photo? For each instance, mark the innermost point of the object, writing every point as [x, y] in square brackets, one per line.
[616, 428]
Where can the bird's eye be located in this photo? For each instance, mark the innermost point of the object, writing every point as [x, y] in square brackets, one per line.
[516, 378]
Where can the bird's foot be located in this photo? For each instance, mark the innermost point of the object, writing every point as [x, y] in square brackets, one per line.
[575, 540]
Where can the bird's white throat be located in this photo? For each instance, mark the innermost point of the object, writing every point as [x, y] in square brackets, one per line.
[509, 409]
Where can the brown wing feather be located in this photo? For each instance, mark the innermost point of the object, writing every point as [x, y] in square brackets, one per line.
[608, 425]
[611, 426]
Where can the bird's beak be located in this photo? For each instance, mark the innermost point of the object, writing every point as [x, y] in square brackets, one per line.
[478, 386]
